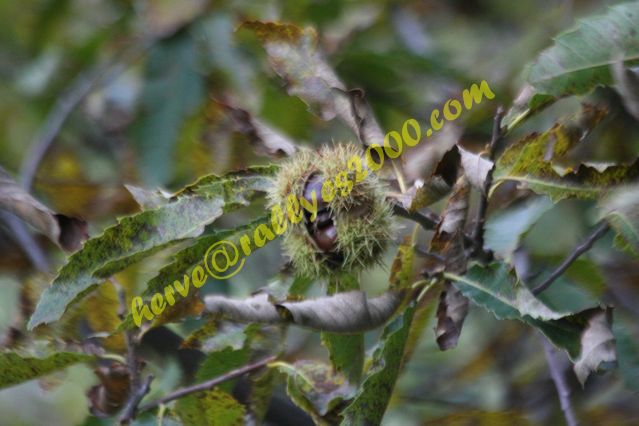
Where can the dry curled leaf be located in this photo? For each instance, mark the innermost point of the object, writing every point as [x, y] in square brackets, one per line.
[108, 397]
[67, 232]
[267, 140]
[347, 312]
[294, 55]
[597, 344]
[475, 167]
[449, 241]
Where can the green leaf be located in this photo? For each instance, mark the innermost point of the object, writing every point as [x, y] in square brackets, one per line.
[505, 230]
[580, 60]
[372, 397]
[172, 92]
[220, 362]
[143, 234]
[15, 368]
[316, 388]
[210, 408]
[533, 161]
[346, 350]
[621, 208]
[628, 351]
[495, 288]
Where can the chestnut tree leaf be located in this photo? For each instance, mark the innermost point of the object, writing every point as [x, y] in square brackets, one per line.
[372, 397]
[621, 208]
[597, 345]
[66, 232]
[16, 368]
[449, 242]
[496, 288]
[141, 235]
[627, 85]
[346, 350]
[506, 229]
[533, 161]
[580, 60]
[476, 168]
[210, 408]
[347, 312]
[316, 388]
[294, 55]
[266, 140]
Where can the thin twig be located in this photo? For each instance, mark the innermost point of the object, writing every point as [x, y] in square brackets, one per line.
[597, 233]
[427, 220]
[180, 393]
[18, 231]
[563, 389]
[137, 388]
[131, 407]
[81, 86]
[478, 232]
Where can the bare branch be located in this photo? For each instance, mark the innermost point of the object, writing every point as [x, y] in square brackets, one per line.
[478, 232]
[557, 374]
[209, 384]
[68, 101]
[137, 389]
[20, 234]
[601, 230]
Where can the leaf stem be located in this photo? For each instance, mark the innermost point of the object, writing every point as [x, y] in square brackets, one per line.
[601, 230]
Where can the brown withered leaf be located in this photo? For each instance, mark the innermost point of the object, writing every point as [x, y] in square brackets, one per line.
[108, 397]
[347, 312]
[449, 241]
[266, 140]
[66, 232]
[475, 167]
[425, 192]
[451, 313]
[294, 55]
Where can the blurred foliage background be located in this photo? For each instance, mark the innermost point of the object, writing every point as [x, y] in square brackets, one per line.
[119, 92]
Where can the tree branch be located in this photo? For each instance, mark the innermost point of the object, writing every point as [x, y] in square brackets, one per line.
[81, 86]
[137, 388]
[478, 232]
[131, 407]
[598, 232]
[180, 393]
[563, 389]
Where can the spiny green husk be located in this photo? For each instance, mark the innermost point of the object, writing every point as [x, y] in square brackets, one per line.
[363, 218]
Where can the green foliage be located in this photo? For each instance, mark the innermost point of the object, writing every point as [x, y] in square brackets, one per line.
[16, 368]
[581, 59]
[171, 93]
[346, 350]
[534, 162]
[208, 408]
[144, 234]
